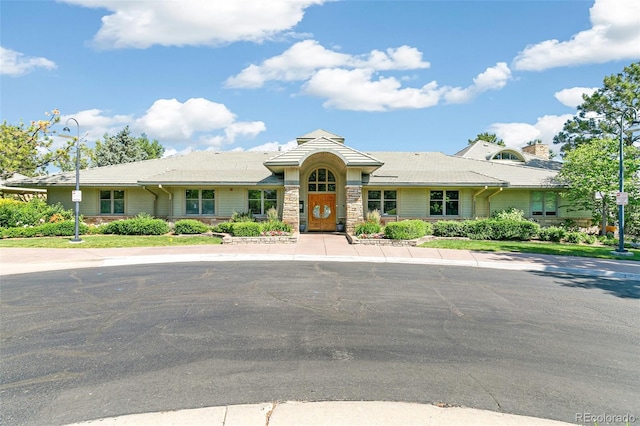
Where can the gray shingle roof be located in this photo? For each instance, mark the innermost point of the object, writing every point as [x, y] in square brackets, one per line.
[248, 168]
[482, 150]
[435, 168]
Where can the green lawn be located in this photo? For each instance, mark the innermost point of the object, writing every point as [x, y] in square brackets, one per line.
[564, 249]
[110, 241]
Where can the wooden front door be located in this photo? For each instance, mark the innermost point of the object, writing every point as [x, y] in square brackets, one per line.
[322, 212]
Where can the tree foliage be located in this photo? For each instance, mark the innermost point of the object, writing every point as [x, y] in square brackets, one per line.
[487, 137]
[602, 113]
[590, 173]
[28, 149]
[124, 148]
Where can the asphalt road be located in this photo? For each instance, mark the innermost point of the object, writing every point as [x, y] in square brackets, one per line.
[91, 343]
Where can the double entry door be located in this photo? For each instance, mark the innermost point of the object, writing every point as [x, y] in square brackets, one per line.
[322, 212]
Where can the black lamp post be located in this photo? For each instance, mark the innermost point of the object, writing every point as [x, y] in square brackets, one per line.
[77, 194]
[631, 113]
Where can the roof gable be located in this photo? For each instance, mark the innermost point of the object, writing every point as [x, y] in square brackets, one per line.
[297, 156]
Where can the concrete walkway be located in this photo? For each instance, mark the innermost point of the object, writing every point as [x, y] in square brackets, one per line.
[314, 247]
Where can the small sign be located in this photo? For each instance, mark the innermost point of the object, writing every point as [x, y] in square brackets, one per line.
[622, 198]
[76, 196]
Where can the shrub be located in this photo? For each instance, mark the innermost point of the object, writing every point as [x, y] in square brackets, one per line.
[479, 229]
[449, 228]
[590, 239]
[58, 229]
[407, 229]
[501, 229]
[36, 211]
[190, 226]
[246, 229]
[143, 224]
[225, 227]
[367, 228]
[511, 213]
[275, 225]
[552, 233]
[242, 217]
[575, 237]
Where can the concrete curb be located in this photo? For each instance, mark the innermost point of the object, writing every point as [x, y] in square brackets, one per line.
[238, 257]
[328, 413]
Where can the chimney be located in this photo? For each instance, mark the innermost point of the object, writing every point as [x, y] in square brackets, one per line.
[540, 150]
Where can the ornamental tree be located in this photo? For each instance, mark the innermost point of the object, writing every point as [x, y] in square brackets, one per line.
[590, 174]
[28, 149]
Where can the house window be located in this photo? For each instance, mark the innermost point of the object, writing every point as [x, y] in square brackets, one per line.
[544, 203]
[507, 156]
[444, 203]
[261, 200]
[200, 201]
[111, 202]
[321, 180]
[386, 202]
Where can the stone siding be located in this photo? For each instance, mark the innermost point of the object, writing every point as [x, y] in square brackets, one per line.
[355, 213]
[291, 206]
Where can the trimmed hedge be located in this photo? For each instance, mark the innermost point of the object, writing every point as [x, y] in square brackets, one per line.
[190, 226]
[58, 229]
[407, 229]
[496, 229]
[449, 228]
[139, 225]
[246, 229]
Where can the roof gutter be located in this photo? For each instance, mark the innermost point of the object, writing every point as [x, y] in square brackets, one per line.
[155, 200]
[170, 199]
[475, 196]
[490, 197]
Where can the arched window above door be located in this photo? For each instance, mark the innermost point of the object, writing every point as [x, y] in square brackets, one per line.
[321, 180]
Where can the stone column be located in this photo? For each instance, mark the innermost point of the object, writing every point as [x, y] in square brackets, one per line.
[290, 209]
[354, 207]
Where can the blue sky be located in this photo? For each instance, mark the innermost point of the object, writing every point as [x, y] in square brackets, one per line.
[254, 74]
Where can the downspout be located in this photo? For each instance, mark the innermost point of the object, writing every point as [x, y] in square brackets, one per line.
[491, 196]
[170, 199]
[155, 200]
[474, 199]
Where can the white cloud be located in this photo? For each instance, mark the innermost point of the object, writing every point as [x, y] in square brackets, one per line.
[492, 78]
[94, 123]
[573, 97]
[275, 146]
[16, 64]
[303, 59]
[141, 24]
[353, 82]
[172, 123]
[614, 35]
[356, 90]
[515, 135]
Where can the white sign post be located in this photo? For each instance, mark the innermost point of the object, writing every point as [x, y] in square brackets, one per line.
[76, 196]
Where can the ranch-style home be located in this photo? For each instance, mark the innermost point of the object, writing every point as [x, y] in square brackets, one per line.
[321, 183]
